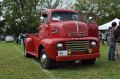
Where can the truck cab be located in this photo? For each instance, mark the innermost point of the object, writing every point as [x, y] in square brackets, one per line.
[63, 36]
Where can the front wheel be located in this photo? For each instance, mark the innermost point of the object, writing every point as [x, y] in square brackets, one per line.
[88, 61]
[45, 61]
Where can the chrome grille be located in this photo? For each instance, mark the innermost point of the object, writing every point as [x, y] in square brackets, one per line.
[77, 46]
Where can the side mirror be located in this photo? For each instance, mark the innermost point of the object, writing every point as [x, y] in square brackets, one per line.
[41, 19]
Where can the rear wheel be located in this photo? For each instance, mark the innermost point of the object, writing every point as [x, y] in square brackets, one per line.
[88, 61]
[45, 61]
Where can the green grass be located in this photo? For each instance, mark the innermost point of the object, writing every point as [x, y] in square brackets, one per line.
[13, 65]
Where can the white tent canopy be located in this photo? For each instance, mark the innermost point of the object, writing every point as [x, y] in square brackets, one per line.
[107, 25]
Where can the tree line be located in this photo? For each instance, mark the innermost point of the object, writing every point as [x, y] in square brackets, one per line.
[23, 15]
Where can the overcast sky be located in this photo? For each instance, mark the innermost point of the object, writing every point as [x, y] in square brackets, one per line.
[1, 0]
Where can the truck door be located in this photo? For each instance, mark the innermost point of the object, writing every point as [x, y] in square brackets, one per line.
[43, 28]
[92, 23]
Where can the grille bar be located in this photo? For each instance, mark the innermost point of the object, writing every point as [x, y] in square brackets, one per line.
[79, 45]
[75, 46]
[77, 42]
[83, 46]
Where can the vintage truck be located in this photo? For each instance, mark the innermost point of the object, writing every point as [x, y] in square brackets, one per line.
[64, 36]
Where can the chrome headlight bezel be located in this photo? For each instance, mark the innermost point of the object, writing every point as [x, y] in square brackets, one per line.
[59, 46]
[93, 44]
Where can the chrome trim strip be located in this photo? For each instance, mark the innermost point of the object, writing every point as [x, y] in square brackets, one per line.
[77, 27]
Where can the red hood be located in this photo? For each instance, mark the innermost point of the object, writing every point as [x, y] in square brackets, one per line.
[72, 29]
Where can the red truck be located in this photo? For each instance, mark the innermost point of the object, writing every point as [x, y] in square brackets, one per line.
[64, 36]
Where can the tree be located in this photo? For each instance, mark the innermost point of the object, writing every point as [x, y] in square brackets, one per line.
[105, 9]
[23, 15]
[20, 16]
[1, 21]
[0, 8]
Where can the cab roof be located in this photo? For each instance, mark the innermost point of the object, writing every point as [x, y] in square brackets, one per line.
[55, 10]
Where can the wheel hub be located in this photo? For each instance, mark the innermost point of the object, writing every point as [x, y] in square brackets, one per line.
[44, 59]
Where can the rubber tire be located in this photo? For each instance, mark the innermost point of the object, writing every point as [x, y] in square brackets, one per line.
[88, 61]
[49, 62]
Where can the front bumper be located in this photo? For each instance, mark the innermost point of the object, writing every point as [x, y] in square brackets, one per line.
[77, 57]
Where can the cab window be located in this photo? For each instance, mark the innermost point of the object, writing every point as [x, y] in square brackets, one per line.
[46, 18]
[89, 18]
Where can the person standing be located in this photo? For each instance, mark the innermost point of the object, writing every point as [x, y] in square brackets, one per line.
[117, 39]
[22, 38]
[103, 38]
[100, 37]
[111, 41]
[19, 39]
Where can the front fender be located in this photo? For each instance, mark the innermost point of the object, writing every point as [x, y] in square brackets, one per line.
[51, 48]
[48, 42]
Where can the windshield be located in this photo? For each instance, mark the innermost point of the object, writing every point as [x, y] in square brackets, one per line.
[65, 16]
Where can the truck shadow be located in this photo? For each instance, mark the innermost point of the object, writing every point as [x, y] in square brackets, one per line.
[71, 65]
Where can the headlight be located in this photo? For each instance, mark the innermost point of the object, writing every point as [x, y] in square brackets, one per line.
[93, 44]
[59, 46]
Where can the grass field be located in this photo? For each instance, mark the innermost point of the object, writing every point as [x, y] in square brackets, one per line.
[13, 65]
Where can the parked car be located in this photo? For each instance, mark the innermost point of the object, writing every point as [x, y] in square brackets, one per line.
[9, 38]
[2, 37]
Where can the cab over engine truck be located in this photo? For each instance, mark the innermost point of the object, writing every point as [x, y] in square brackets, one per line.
[64, 36]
